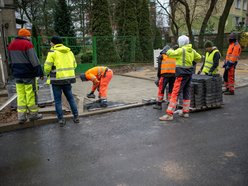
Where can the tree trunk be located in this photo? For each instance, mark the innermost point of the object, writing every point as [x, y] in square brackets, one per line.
[205, 22]
[221, 25]
[188, 21]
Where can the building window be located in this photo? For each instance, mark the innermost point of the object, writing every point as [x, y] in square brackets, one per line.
[238, 4]
[236, 21]
[245, 5]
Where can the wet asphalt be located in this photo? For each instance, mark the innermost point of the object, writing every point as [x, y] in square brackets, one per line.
[133, 148]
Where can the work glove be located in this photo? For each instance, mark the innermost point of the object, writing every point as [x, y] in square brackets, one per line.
[199, 72]
[91, 95]
[156, 82]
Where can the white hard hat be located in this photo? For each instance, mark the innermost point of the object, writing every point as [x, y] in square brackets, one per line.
[183, 40]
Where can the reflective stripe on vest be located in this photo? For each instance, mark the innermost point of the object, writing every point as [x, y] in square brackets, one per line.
[100, 70]
[62, 78]
[63, 69]
[209, 61]
[168, 65]
[183, 61]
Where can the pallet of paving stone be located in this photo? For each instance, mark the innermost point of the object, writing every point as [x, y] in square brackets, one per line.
[207, 92]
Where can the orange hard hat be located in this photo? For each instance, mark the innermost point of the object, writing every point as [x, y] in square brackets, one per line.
[24, 32]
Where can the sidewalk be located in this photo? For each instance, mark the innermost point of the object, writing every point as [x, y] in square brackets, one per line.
[130, 89]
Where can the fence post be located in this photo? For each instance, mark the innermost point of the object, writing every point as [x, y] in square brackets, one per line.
[94, 57]
[133, 44]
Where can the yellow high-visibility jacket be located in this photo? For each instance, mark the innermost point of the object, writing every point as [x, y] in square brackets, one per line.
[60, 65]
[184, 56]
[209, 62]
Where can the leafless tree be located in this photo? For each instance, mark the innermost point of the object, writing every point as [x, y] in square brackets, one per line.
[221, 25]
[205, 21]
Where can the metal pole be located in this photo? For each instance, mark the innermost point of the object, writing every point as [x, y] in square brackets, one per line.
[2, 71]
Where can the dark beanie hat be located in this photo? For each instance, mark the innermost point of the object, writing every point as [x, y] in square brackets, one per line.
[232, 36]
[56, 40]
[208, 44]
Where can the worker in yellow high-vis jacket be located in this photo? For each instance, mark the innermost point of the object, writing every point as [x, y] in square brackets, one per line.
[60, 67]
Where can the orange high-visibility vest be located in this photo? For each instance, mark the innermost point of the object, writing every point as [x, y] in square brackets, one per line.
[168, 65]
[233, 52]
[95, 73]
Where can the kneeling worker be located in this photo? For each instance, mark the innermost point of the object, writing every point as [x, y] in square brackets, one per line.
[100, 76]
[212, 59]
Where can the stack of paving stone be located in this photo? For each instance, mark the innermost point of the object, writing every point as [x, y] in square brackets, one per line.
[206, 91]
[45, 93]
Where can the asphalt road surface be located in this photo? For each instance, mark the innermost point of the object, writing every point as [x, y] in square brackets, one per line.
[133, 148]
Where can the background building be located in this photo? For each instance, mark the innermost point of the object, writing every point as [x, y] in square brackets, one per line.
[237, 19]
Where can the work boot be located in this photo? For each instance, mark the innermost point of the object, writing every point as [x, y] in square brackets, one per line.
[103, 103]
[228, 93]
[22, 118]
[35, 116]
[184, 114]
[22, 121]
[62, 122]
[91, 95]
[166, 117]
[158, 106]
[76, 119]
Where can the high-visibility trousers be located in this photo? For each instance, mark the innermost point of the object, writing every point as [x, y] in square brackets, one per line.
[181, 85]
[26, 90]
[104, 82]
[163, 81]
[229, 78]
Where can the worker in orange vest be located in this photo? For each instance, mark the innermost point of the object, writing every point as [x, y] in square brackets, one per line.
[230, 63]
[100, 76]
[166, 75]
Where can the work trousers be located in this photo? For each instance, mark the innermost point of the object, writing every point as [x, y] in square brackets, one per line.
[181, 85]
[57, 92]
[163, 81]
[104, 82]
[229, 78]
[26, 89]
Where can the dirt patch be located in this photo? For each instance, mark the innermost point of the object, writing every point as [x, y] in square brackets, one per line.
[7, 115]
[122, 69]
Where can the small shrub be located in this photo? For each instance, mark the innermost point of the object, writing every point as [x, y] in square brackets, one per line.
[87, 57]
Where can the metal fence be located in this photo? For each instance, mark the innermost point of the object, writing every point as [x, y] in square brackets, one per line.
[100, 50]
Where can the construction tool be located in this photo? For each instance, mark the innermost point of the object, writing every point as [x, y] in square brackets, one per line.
[12, 98]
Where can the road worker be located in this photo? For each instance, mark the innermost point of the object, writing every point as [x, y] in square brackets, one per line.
[60, 67]
[100, 77]
[230, 63]
[184, 55]
[212, 58]
[25, 68]
[166, 75]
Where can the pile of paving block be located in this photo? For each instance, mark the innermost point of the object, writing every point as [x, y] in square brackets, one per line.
[206, 92]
